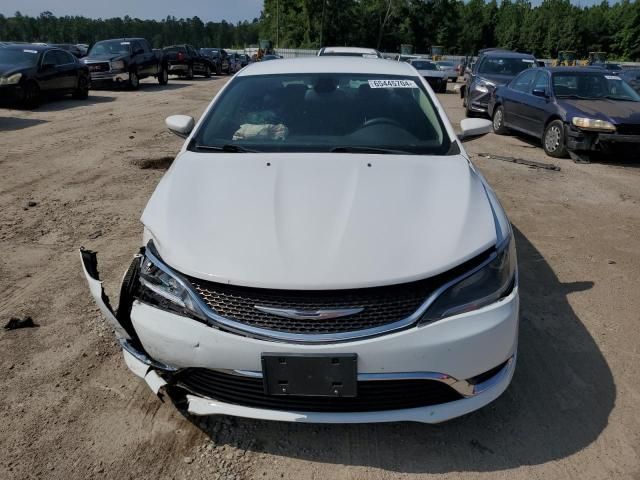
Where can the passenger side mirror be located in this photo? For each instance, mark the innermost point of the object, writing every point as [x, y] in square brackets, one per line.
[473, 127]
[539, 92]
[180, 125]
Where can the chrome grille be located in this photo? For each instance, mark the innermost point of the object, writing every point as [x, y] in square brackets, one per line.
[382, 305]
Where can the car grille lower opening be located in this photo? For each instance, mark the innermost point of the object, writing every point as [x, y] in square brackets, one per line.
[628, 129]
[379, 395]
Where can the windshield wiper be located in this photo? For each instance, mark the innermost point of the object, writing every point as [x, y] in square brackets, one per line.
[622, 99]
[361, 149]
[579, 97]
[228, 148]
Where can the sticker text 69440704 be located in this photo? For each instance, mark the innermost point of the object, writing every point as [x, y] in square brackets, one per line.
[392, 84]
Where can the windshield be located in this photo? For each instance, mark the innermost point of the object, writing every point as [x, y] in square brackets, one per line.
[446, 64]
[24, 57]
[111, 47]
[322, 112]
[504, 66]
[592, 86]
[423, 65]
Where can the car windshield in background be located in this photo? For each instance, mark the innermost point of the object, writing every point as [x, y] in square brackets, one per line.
[505, 66]
[323, 113]
[111, 47]
[22, 56]
[446, 64]
[212, 52]
[592, 86]
[419, 65]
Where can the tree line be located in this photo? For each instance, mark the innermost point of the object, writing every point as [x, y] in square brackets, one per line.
[75, 29]
[461, 27]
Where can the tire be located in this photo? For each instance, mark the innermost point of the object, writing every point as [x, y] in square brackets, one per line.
[553, 140]
[82, 91]
[163, 76]
[32, 96]
[467, 111]
[218, 69]
[443, 88]
[134, 80]
[498, 121]
[207, 71]
[190, 73]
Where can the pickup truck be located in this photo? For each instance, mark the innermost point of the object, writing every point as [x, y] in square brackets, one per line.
[125, 61]
[186, 61]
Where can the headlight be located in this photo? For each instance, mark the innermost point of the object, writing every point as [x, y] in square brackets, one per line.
[11, 80]
[593, 124]
[163, 289]
[484, 86]
[483, 286]
[117, 65]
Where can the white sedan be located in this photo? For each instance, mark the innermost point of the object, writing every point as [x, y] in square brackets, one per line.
[322, 250]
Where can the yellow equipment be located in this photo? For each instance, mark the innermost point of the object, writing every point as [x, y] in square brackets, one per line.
[566, 58]
[596, 57]
[437, 52]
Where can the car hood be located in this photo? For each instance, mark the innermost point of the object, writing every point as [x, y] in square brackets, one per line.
[616, 111]
[107, 57]
[496, 79]
[318, 221]
[7, 70]
[432, 73]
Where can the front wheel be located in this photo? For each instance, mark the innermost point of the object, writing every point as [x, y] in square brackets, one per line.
[498, 121]
[32, 97]
[190, 72]
[553, 140]
[207, 72]
[82, 90]
[134, 80]
[163, 76]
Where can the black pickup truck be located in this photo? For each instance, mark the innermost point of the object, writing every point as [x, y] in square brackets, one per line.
[125, 61]
[186, 61]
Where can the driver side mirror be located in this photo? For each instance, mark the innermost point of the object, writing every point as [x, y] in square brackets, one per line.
[539, 92]
[473, 127]
[181, 125]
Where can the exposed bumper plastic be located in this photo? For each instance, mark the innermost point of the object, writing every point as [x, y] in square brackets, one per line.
[109, 77]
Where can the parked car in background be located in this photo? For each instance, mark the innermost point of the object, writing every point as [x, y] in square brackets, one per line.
[220, 59]
[612, 67]
[632, 77]
[493, 67]
[349, 52]
[125, 62]
[450, 68]
[235, 63]
[571, 109]
[319, 314]
[429, 70]
[186, 61]
[73, 49]
[244, 60]
[271, 57]
[28, 72]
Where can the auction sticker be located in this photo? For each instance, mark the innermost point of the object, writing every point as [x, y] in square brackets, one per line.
[612, 77]
[392, 84]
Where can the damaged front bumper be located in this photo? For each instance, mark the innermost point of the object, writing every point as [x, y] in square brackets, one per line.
[225, 353]
[608, 143]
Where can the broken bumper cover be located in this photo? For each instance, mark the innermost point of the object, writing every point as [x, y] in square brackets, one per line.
[167, 344]
[580, 140]
[107, 77]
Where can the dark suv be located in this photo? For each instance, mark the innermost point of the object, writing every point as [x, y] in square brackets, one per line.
[494, 67]
[186, 61]
[220, 59]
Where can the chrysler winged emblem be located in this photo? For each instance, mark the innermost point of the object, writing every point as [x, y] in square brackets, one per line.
[310, 314]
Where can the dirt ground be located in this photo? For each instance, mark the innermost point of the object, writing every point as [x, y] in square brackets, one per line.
[80, 172]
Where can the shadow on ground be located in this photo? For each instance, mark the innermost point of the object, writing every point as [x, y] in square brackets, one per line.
[8, 124]
[558, 404]
[59, 103]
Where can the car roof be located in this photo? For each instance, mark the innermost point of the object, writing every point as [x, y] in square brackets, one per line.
[506, 54]
[349, 50]
[328, 64]
[28, 46]
[575, 69]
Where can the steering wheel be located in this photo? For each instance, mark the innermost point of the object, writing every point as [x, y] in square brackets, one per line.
[381, 121]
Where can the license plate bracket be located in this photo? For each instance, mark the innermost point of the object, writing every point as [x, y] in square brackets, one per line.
[315, 375]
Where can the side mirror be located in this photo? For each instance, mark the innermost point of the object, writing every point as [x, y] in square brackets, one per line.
[474, 127]
[539, 92]
[181, 125]
[138, 51]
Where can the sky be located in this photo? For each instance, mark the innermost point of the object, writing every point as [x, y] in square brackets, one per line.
[207, 10]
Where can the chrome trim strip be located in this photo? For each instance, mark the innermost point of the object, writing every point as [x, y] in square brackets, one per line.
[463, 387]
[144, 358]
[217, 320]
[301, 314]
